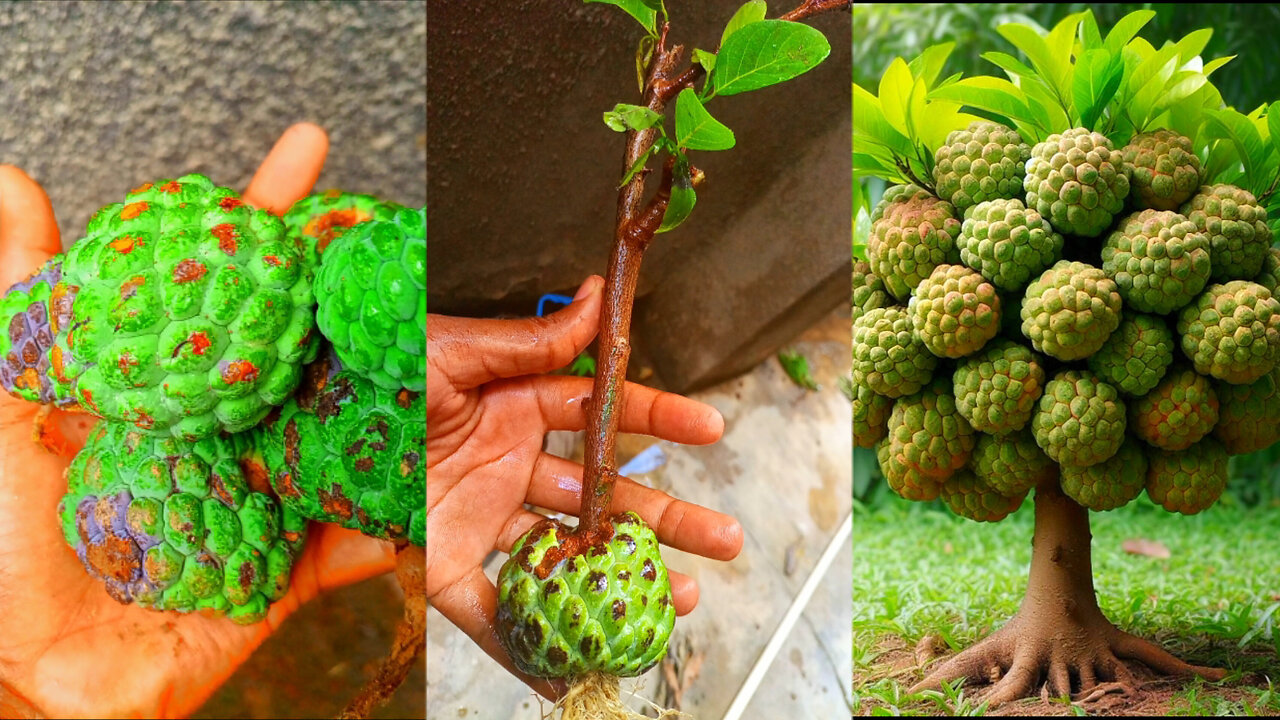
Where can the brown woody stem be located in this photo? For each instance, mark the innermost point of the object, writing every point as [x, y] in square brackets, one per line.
[634, 229]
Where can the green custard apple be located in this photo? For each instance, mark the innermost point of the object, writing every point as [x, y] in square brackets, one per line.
[985, 161]
[346, 451]
[1078, 181]
[912, 232]
[1164, 171]
[317, 220]
[182, 311]
[372, 295]
[573, 603]
[173, 525]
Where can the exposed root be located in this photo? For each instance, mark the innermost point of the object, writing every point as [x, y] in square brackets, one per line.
[597, 696]
[1059, 669]
[411, 635]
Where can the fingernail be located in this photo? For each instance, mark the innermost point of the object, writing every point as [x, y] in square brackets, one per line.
[587, 288]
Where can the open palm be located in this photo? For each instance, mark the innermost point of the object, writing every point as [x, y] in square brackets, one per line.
[488, 409]
[67, 648]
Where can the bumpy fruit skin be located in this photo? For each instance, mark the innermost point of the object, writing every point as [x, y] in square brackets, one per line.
[1180, 410]
[996, 390]
[1190, 480]
[1269, 276]
[317, 220]
[1011, 464]
[972, 497]
[372, 296]
[1137, 354]
[870, 415]
[26, 339]
[912, 232]
[909, 483]
[173, 525]
[1232, 331]
[927, 433]
[569, 605]
[1237, 229]
[1080, 420]
[1070, 310]
[1158, 259]
[1249, 415]
[183, 311]
[1109, 484]
[346, 451]
[985, 161]
[868, 290]
[1008, 243]
[1164, 171]
[955, 311]
[888, 357]
[1077, 179]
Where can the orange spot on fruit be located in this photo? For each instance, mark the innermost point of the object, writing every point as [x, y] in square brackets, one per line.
[124, 244]
[332, 194]
[227, 235]
[199, 343]
[272, 260]
[126, 361]
[189, 271]
[144, 421]
[239, 371]
[133, 210]
[141, 188]
[230, 203]
[328, 226]
[130, 288]
[88, 400]
[172, 186]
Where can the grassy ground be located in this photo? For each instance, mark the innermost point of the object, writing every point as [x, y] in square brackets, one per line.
[921, 572]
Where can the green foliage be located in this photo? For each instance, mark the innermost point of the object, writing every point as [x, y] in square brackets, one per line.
[754, 53]
[796, 365]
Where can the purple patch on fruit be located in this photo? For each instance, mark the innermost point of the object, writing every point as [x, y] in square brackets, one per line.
[30, 337]
[109, 549]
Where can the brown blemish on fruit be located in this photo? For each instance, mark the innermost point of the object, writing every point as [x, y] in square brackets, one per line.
[239, 371]
[329, 404]
[199, 343]
[550, 589]
[227, 236]
[30, 353]
[272, 260]
[130, 288]
[145, 421]
[123, 244]
[115, 557]
[256, 474]
[597, 581]
[171, 187]
[409, 463]
[335, 503]
[648, 572]
[60, 302]
[404, 399]
[619, 609]
[291, 536]
[291, 440]
[141, 188]
[288, 488]
[589, 645]
[230, 203]
[364, 464]
[189, 271]
[248, 574]
[125, 362]
[28, 380]
[133, 210]
[327, 227]
[218, 487]
[664, 601]
[355, 447]
[570, 545]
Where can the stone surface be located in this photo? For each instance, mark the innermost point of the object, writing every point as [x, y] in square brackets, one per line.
[98, 98]
[524, 189]
[783, 469]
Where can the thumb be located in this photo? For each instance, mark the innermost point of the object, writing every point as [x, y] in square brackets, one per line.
[471, 352]
[28, 229]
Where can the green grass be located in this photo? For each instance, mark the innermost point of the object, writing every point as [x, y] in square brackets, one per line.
[1215, 601]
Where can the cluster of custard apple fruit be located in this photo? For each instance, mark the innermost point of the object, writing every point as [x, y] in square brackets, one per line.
[251, 373]
[1068, 311]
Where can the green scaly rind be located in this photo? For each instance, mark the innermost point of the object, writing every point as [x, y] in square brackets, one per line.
[608, 609]
[317, 220]
[372, 296]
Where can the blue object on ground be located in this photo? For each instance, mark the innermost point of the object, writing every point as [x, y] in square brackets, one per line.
[552, 297]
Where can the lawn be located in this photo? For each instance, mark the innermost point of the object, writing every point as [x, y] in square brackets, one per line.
[922, 573]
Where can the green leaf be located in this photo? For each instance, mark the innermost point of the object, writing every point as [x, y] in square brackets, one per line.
[1097, 77]
[1231, 125]
[639, 164]
[695, 128]
[638, 9]
[895, 89]
[584, 365]
[706, 59]
[797, 368]
[1038, 52]
[751, 12]
[1128, 26]
[1010, 64]
[928, 64]
[1273, 124]
[983, 92]
[624, 117]
[1194, 43]
[683, 198]
[766, 53]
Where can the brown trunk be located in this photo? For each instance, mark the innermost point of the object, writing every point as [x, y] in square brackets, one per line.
[1059, 635]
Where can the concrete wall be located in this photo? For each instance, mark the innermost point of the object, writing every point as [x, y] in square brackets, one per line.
[96, 98]
[522, 174]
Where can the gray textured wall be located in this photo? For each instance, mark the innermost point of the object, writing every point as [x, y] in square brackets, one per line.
[96, 98]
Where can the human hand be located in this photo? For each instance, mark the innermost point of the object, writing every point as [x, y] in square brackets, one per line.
[488, 408]
[66, 647]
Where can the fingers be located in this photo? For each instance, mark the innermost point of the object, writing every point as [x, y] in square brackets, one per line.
[290, 170]
[562, 401]
[472, 605]
[28, 229]
[470, 352]
[684, 589]
[557, 485]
